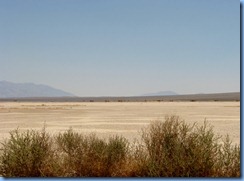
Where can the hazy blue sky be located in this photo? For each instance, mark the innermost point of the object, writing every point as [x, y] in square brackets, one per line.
[122, 47]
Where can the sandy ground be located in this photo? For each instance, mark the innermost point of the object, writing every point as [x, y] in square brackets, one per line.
[120, 118]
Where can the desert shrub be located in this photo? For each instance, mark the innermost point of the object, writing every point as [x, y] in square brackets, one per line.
[117, 154]
[176, 149]
[68, 144]
[90, 156]
[169, 148]
[228, 160]
[27, 154]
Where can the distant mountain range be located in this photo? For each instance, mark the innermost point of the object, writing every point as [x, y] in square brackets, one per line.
[9, 89]
[161, 93]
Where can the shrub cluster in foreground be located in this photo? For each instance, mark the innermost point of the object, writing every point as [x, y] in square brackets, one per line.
[168, 149]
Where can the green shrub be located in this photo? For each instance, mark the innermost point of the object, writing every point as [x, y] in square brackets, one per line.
[26, 154]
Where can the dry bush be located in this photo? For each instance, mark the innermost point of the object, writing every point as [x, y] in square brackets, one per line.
[27, 154]
[89, 156]
[176, 149]
[170, 148]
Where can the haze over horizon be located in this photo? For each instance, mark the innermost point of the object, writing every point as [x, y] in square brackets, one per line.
[122, 47]
[29, 89]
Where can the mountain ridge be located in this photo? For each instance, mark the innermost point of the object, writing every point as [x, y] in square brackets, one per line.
[11, 90]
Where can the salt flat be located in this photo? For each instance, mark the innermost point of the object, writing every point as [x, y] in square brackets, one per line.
[109, 118]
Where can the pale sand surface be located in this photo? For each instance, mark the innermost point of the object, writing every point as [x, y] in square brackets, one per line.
[112, 118]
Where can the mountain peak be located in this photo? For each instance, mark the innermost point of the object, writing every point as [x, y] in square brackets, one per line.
[10, 89]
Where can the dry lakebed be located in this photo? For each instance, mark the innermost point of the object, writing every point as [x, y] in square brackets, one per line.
[116, 118]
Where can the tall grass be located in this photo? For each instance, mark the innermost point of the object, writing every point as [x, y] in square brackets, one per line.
[170, 148]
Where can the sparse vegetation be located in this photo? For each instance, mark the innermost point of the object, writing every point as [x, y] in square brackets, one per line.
[174, 148]
[168, 149]
[27, 154]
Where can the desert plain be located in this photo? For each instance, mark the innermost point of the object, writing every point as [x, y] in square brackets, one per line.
[116, 118]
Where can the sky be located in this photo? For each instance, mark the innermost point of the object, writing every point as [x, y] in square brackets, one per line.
[122, 47]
